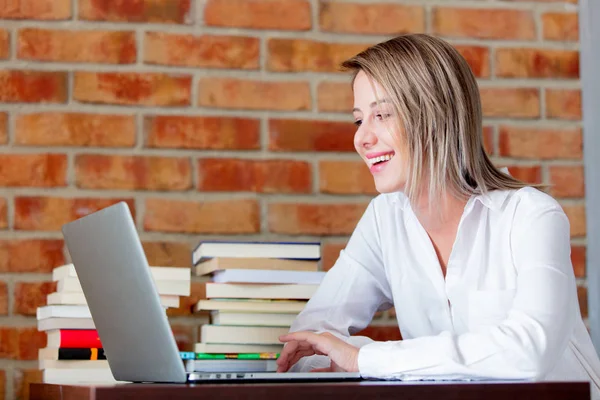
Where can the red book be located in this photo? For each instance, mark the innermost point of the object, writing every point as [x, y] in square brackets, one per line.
[74, 338]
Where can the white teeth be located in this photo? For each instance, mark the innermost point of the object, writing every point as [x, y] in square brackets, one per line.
[375, 160]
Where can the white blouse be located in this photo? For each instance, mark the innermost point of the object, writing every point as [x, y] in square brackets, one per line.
[507, 308]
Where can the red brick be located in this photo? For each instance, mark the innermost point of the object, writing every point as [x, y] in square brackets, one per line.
[314, 219]
[4, 44]
[168, 254]
[335, 97]
[187, 304]
[484, 23]
[22, 379]
[259, 14]
[230, 216]
[202, 132]
[345, 177]
[381, 333]
[132, 88]
[31, 255]
[510, 102]
[583, 301]
[33, 86]
[75, 129]
[330, 254]
[560, 26]
[536, 63]
[294, 55]
[91, 46]
[36, 9]
[563, 104]
[3, 128]
[3, 298]
[576, 215]
[9, 343]
[526, 173]
[375, 18]
[541, 143]
[478, 58]
[206, 51]
[567, 181]
[30, 341]
[578, 258]
[3, 213]
[31, 295]
[157, 11]
[310, 135]
[3, 385]
[184, 337]
[51, 213]
[37, 170]
[488, 139]
[263, 176]
[254, 94]
[98, 171]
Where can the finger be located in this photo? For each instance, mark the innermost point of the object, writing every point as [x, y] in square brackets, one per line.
[289, 348]
[300, 354]
[299, 336]
[293, 358]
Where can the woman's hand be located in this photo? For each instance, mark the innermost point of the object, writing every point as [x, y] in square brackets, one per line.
[343, 356]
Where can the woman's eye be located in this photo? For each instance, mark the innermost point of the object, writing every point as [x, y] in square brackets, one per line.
[358, 122]
[382, 116]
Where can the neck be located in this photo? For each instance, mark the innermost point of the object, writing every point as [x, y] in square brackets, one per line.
[443, 212]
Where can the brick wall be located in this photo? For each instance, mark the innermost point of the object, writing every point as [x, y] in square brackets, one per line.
[228, 118]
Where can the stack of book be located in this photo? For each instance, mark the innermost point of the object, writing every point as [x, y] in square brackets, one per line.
[254, 292]
[73, 352]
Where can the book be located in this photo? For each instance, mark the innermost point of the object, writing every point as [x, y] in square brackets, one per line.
[272, 264]
[242, 334]
[48, 324]
[230, 356]
[158, 273]
[71, 284]
[75, 353]
[79, 299]
[233, 348]
[267, 276]
[75, 375]
[252, 319]
[63, 311]
[260, 291]
[230, 366]
[69, 338]
[254, 305]
[283, 250]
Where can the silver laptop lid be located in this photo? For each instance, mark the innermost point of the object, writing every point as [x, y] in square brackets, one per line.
[116, 280]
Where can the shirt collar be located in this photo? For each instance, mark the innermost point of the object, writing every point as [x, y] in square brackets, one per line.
[493, 199]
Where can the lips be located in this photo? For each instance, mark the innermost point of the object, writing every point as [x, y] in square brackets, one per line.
[379, 158]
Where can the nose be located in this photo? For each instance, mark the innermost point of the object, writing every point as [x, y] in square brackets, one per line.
[365, 136]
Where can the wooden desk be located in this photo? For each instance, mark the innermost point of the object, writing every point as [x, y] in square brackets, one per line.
[315, 391]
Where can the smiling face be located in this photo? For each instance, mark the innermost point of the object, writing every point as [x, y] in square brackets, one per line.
[377, 138]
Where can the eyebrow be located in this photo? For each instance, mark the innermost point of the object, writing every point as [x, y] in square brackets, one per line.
[373, 104]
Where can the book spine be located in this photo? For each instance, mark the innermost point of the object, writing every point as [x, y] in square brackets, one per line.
[80, 338]
[81, 354]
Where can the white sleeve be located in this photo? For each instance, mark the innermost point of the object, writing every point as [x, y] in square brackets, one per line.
[350, 293]
[526, 344]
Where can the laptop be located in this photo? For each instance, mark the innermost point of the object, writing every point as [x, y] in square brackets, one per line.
[133, 327]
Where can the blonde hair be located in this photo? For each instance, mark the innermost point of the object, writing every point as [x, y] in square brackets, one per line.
[435, 95]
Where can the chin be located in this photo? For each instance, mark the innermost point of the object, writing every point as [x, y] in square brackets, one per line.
[389, 187]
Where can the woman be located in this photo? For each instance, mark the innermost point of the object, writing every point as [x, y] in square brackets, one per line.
[476, 263]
